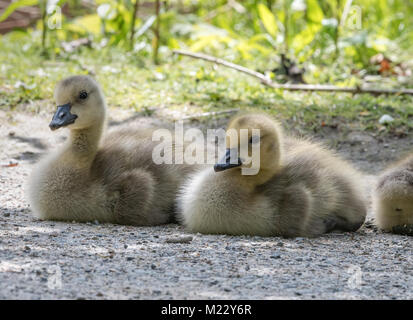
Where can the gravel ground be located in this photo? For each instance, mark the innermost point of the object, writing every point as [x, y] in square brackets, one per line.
[55, 260]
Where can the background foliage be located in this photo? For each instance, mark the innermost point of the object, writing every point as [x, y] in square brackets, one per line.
[342, 42]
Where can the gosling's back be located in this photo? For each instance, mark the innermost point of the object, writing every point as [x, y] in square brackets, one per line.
[129, 148]
[315, 191]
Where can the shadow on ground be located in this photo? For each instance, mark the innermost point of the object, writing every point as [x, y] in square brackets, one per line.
[56, 260]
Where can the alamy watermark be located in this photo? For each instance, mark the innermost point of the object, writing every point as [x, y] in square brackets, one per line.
[55, 16]
[229, 148]
[51, 275]
[351, 17]
[355, 279]
[54, 279]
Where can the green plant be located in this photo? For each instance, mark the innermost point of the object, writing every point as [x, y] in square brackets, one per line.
[255, 33]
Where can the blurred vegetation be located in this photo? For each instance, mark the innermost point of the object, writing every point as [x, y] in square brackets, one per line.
[127, 44]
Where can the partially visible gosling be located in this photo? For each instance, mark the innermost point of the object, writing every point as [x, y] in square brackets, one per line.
[393, 198]
[301, 189]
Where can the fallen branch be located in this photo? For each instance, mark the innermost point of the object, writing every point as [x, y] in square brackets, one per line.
[209, 114]
[292, 87]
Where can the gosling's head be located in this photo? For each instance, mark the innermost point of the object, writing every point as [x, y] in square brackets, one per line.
[80, 103]
[252, 142]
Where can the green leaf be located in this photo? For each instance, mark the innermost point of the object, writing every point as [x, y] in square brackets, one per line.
[268, 19]
[89, 23]
[305, 37]
[16, 5]
[314, 12]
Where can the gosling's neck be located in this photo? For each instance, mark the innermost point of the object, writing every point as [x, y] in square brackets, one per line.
[83, 145]
[271, 162]
[248, 182]
[265, 172]
[253, 181]
[263, 176]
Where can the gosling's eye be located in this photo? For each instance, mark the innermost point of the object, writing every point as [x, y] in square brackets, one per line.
[83, 95]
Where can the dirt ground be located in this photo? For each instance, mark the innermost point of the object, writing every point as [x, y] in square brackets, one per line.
[56, 260]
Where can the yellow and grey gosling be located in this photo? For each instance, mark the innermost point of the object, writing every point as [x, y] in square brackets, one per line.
[113, 180]
[301, 189]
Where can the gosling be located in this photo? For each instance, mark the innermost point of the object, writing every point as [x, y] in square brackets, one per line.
[393, 198]
[116, 181]
[301, 188]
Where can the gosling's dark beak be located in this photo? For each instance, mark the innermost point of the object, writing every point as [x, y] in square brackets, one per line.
[62, 117]
[225, 163]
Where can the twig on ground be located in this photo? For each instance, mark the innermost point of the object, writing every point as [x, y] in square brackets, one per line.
[292, 87]
[209, 114]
